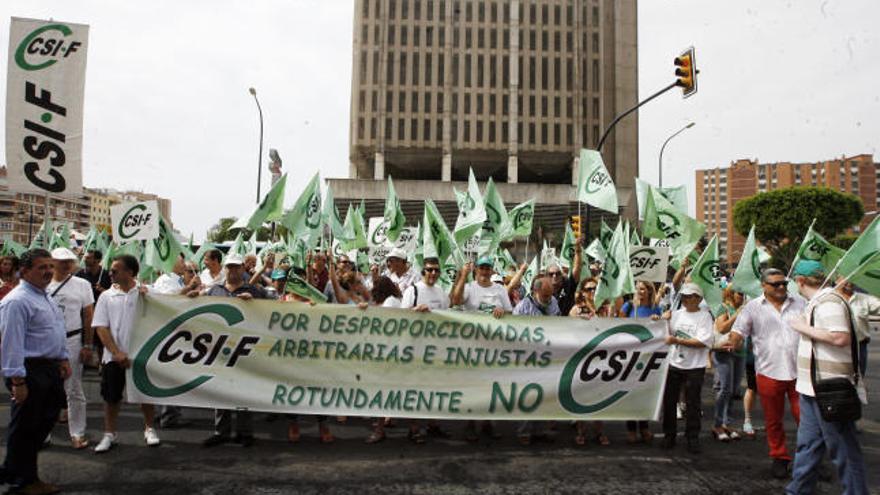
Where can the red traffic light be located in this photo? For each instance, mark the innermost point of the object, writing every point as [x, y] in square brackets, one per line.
[686, 72]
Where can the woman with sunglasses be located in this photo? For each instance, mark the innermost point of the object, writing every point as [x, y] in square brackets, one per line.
[585, 308]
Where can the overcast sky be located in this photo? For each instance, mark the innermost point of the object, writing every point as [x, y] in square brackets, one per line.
[167, 108]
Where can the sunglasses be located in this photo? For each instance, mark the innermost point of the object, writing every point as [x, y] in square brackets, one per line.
[432, 270]
[781, 283]
[589, 289]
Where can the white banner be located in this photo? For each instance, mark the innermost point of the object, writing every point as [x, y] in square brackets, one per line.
[135, 221]
[44, 106]
[649, 263]
[380, 246]
[222, 352]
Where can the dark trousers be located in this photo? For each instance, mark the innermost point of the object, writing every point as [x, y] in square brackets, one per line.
[31, 422]
[692, 381]
[244, 425]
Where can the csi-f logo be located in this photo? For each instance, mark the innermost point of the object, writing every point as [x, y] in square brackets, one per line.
[313, 212]
[522, 218]
[380, 235]
[172, 344]
[132, 221]
[815, 250]
[711, 272]
[466, 204]
[621, 366]
[597, 181]
[668, 224]
[611, 270]
[44, 46]
[642, 260]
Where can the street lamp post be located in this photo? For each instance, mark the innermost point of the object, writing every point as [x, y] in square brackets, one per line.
[260, 155]
[660, 164]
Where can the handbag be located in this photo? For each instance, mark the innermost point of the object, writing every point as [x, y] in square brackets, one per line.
[837, 397]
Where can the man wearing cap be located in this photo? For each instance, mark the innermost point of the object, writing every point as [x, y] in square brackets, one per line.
[767, 320]
[424, 295]
[399, 271]
[114, 319]
[234, 286]
[34, 357]
[74, 296]
[826, 337]
[481, 294]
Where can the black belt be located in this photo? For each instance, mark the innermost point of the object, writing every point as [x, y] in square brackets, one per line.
[73, 333]
[41, 362]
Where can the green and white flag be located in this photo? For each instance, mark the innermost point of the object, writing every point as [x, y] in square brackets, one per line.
[61, 238]
[616, 278]
[437, 241]
[238, 246]
[595, 251]
[331, 217]
[394, 218]
[198, 257]
[251, 246]
[529, 275]
[356, 236]
[12, 248]
[269, 210]
[606, 233]
[497, 221]
[298, 286]
[664, 221]
[304, 219]
[567, 253]
[747, 278]
[677, 195]
[521, 217]
[860, 264]
[162, 252]
[707, 273]
[814, 247]
[471, 211]
[44, 236]
[595, 186]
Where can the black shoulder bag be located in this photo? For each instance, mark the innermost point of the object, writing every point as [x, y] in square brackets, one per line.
[837, 397]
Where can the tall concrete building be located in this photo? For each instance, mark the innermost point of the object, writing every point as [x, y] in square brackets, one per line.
[511, 88]
[719, 189]
[22, 214]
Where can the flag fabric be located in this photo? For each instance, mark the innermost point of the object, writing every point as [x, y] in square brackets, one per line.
[61, 238]
[355, 235]
[270, 209]
[497, 220]
[298, 286]
[747, 277]
[814, 247]
[595, 186]
[606, 233]
[437, 241]
[238, 246]
[677, 195]
[707, 273]
[304, 219]
[331, 217]
[162, 252]
[595, 251]
[616, 278]
[43, 237]
[12, 248]
[860, 264]
[251, 245]
[394, 218]
[664, 221]
[471, 211]
[529, 275]
[521, 217]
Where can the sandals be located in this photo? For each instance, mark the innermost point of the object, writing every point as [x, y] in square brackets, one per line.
[580, 439]
[375, 437]
[720, 434]
[602, 440]
[293, 433]
[733, 434]
[79, 443]
[326, 436]
[647, 436]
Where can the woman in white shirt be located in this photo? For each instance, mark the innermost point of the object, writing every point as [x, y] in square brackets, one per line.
[690, 337]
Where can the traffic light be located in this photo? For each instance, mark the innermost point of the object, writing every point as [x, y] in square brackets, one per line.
[575, 221]
[686, 72]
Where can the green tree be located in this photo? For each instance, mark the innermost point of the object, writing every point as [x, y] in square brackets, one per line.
[782, 217]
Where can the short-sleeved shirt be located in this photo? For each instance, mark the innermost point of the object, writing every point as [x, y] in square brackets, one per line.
[221, 291]
[687, 325]
[391, 302]
[116, 310]
[774, 342]
[431, 296]
[209, 281]
[829, 313]
[640, 311]
[102, 278]
[405, 281]
[168, 283]
[75, 296]
[864, 306]
[531, 307]
[485, 299]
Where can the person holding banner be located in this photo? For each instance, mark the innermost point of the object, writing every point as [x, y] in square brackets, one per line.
[213, 273]
[643, 305]
[114, 319]
[398, 270]
[481, 294]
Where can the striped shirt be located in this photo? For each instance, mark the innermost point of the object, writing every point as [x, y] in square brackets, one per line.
[775, 343]
[829, 313]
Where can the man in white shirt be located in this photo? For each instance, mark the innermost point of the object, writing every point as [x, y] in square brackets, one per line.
[424, 295]
[74, 296]
[827, 334]
[213, 273]
[767, 320]
[114, 319]
[481, 294]
[398, 270]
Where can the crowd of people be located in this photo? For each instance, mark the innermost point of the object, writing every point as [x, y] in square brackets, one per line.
[57, 318]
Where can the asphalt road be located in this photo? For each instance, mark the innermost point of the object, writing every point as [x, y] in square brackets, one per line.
[272, 466]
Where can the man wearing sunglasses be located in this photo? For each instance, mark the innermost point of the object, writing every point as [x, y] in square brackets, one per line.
[424, 295]
[767, 320]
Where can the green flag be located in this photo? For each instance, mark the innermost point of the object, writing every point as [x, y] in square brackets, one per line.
[815, 247]
[238, 246]
[471, 211]
[707, 273]
[595, 186]
[616, 278]
[298, 286]
[437, 241]
[355, 234]
[44, 235]
[521, 217]
[331, 218]
[304, 219]
[162, 252]
[605, 235]
[860, 264]
[747, 277]
[595, 251]
[497, 221]
[269, 210]
[61, 238]
[394, 218]
[13, 248]
[529, 275]
[664, 221]
[677, 195]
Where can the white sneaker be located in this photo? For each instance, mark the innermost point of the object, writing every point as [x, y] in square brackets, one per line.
[106, 443]
[748, 430]
[151, 437]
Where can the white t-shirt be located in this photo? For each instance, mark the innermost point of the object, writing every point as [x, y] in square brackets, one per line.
[72, 299]
[391, 302]
[168, 283]
[829, 313]
[405, 281]
[773, 340]
[208, 281]
[686, 325]
[433, 297]
[485, 299]
[116, 310]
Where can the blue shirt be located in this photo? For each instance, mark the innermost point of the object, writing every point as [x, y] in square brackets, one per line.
[529, 306]
[32, 326]
[641, 311]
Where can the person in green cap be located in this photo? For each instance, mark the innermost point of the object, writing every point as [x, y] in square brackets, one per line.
[481, 294]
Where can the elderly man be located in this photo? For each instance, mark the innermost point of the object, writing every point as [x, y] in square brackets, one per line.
[481, 294]
[826, 341]
[767, 319]
[34, 357]
[74, 297]
[398, 270]
[540, 302]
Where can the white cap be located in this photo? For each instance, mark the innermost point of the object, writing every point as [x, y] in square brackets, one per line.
[397, 253]
[691, 289]
[63, 254]
[233, 259]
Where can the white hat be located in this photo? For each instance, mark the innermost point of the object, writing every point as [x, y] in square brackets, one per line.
[233, 259]
[397, 253]
[691, 289]
[63, 254]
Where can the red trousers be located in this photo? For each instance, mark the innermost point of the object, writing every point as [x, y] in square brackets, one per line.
[772, 394]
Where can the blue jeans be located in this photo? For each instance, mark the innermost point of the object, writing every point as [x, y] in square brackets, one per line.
[723, 362]
[739, 371]
[814, 435]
